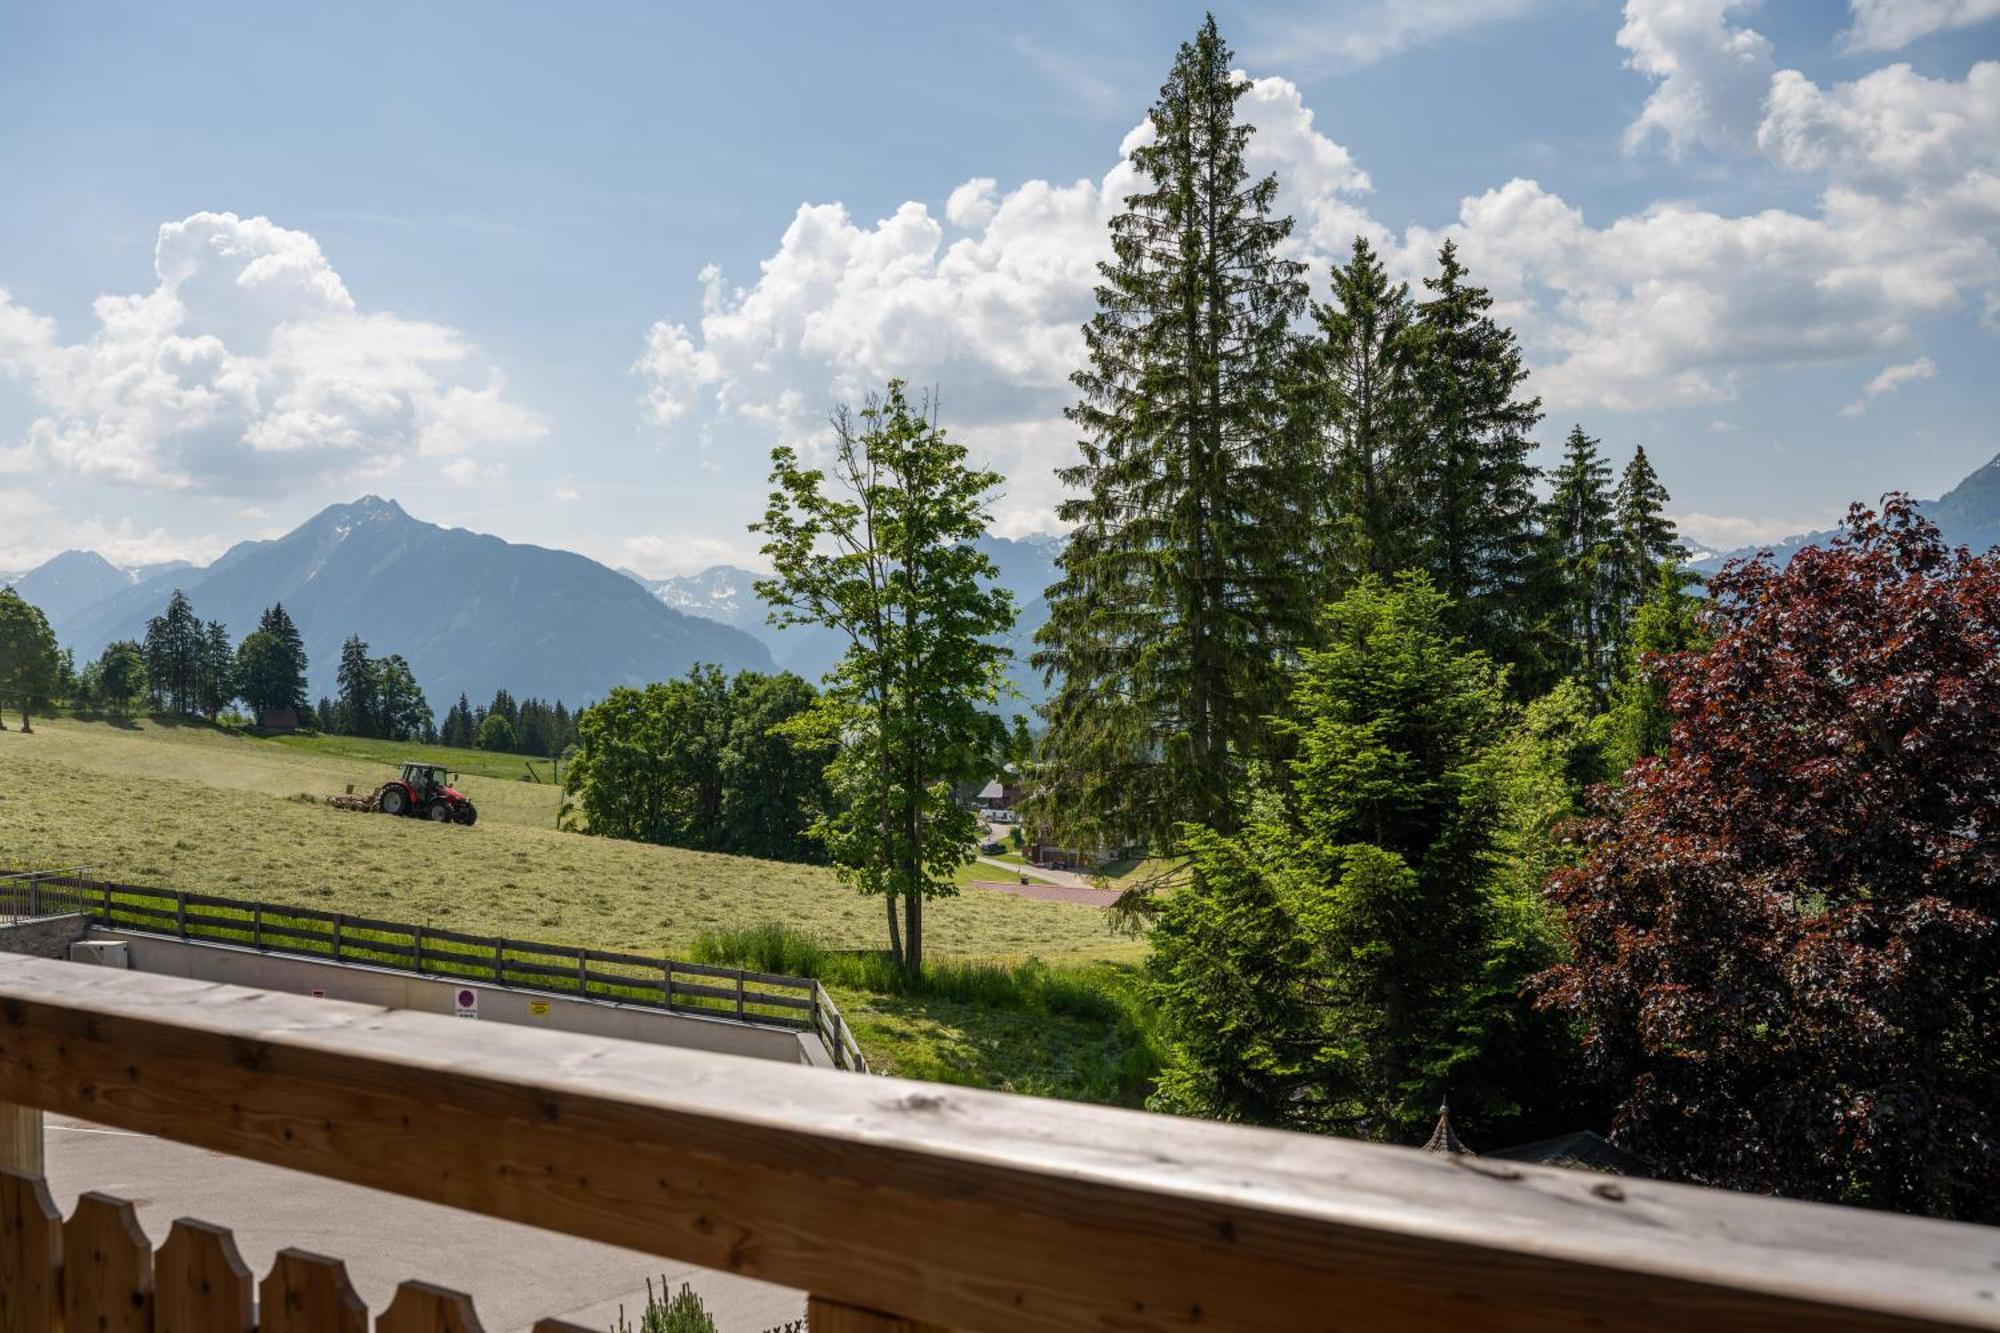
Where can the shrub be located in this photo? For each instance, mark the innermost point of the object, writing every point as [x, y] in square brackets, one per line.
[682, 1312]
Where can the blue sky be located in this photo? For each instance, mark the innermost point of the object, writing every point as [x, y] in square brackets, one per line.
[568, 275]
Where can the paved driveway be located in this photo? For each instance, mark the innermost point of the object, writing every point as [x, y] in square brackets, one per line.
[515, 1274]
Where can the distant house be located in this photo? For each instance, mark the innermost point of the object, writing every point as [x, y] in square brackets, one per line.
[278, 719]
[1003, 793]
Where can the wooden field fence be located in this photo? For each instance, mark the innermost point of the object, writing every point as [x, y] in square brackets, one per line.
[704, 990]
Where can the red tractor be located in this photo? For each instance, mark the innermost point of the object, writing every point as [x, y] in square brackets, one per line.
[422, 790]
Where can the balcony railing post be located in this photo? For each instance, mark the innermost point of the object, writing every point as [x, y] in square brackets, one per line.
[21, 1138]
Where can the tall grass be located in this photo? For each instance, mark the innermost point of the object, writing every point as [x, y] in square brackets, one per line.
[1031, 985]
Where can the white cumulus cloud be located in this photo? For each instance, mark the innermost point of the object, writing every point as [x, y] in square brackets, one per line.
[1711, 74]
[1891, 25]
[248, 365]
[1673, 305]
[1891, 379]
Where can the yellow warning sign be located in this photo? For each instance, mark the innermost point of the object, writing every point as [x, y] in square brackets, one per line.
[538, 1007]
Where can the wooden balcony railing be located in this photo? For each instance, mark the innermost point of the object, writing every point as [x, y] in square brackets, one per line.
[902, 1205]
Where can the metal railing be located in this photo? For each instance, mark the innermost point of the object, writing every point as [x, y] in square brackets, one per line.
[731, 994]
[28, 895]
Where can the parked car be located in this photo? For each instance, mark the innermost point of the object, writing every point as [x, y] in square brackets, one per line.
[992, 848]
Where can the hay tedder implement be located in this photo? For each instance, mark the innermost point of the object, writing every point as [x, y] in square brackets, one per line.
[420, 790]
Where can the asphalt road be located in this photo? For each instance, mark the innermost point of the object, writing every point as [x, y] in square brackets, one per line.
[515, 1274]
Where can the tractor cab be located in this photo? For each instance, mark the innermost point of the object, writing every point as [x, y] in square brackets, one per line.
[425, 780]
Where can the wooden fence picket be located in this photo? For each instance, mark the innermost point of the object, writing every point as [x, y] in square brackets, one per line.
[200, 1282]
[420, 1307]
[308, 1293]
[107, 1272]
[30, 1254]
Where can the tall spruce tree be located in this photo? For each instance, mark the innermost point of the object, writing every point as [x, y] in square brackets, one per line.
[1182, 586]
[360, 687]
[1363, 361]
[175, 646]
[1468, 472]
[218, 670]
[285, 662]
[1354, 954]
[1582, 565]
[1645, 541]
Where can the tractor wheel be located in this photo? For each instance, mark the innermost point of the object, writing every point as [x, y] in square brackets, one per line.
[395, 801]
[440, 812]
[466, 814]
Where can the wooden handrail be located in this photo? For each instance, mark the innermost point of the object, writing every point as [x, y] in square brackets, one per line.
[963, 1208]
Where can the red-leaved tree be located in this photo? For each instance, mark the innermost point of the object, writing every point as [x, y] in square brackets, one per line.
[1784, 948]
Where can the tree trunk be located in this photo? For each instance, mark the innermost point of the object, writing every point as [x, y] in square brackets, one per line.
[895, 932]
[913, 934]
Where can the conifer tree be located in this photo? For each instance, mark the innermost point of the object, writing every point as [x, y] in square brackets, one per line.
[1645, 539]
[1353, 954]
[1363, 364]
[218, 670]
[281, 664]
[1183, 583]
[360, 689]
[175, 646]
[1468, 473]
[1581, 556]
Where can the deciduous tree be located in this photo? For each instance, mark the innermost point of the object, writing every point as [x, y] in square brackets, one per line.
[882, 551]
[29, 662]
[1785, 935]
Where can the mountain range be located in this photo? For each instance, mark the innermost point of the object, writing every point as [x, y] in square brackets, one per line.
[469, 612]
[726, 594]
[1967, 515]
[473, 613]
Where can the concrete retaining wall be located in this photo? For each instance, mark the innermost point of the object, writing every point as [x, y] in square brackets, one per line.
[44, 937]
[496, 1004]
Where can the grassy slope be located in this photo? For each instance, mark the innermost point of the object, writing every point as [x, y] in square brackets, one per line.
[189, 807]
